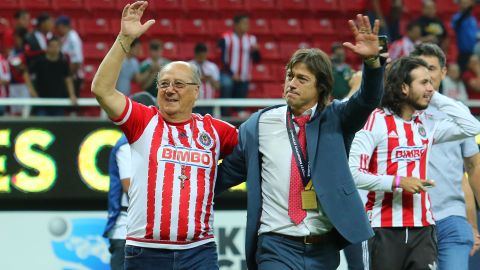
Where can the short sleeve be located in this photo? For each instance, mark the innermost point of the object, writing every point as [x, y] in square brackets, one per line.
[124, 161]
[469, 147]
[228, 135]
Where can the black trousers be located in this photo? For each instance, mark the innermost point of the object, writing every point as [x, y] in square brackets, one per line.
[412, 248]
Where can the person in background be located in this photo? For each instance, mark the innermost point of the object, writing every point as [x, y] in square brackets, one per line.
[150, 66]
[36, 41]
[238, 50]
[4, 80]
[71, 47]
[465, 26]
[389, 13]
[130, 71]
[452, 85]
[446, 165]
[53, 78]
[405, 45]
[342, 72]
[20, 84]
[433, 30]
[22, 20]
[209, 74]
[120, 172]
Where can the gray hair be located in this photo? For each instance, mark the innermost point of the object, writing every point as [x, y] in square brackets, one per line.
[195, 71]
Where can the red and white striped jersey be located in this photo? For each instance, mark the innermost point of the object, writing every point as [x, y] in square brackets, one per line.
[237, 53]
[207, 68]
[388, 146]
[401, 47]
[161, 213]
[4, 75]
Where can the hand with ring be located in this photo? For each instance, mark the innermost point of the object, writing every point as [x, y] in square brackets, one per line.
[366, 37]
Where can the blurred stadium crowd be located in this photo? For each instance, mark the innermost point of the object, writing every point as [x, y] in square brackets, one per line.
[52, 48]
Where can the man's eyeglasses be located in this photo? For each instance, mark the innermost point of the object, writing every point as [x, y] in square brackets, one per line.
[175, 84]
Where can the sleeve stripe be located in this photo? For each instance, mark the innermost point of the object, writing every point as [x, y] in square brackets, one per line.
[122, 121]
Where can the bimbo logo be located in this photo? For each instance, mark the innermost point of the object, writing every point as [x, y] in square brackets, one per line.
[408, 153]
[181, 155]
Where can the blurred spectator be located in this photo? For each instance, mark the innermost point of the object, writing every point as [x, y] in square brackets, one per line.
[476, 49]
[130, 69]
[4, 80]
[37, 40]
[22, 20]
[465, 26]
[342, 72]
[452, 85]
[404, 46]
[151, 66]
[389, 13]
[209, 74]
[53, 78]
[20, 84]
[238, 50]
[72, 47]
[432, 26]
[471, 77]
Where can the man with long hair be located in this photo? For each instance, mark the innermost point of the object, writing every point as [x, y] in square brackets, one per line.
[389, 157]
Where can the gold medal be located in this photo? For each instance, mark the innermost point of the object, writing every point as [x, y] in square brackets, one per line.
[309, 197]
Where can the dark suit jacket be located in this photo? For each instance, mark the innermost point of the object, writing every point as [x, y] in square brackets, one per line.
[329, 136]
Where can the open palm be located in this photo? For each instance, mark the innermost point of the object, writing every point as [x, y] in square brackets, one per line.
[366, 39]
[131, 16]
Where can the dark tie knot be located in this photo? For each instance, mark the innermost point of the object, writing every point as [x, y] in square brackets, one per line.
[301, 120]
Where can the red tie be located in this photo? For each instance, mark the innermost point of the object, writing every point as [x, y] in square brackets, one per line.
[295, 211]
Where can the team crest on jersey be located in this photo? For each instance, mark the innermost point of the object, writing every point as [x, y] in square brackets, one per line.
[205, 140]
[422, 131]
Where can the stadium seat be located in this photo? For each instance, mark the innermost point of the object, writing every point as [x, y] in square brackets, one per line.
[288, 48]
[98, 26]
[260, 5]
[199, 5]
[353, 6]
[323, 27]
[261, 73]
[281, 27]
[270, 51]
[163, 27]
[292, 5]
[221, 26]
[68, 5]
[10, 5]
[89, 70]
[413, 8]
[170, 50]
[324, 5]
[273, 89]
[95, 51]
[446, 7]
[231, 5]
[260, 26]
[42, 5]
[255, 90]
[95, 5]
[193, 27]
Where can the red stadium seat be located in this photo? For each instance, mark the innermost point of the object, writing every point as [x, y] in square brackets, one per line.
[43, 5]
[95, 51]
[324, 5]
[270, 51]
[231, 5]
[89, 70]
[354, 6]
[221, 26]
[325, 46]
[98, 26]
[289, 5]
[194, 27]
[446, 7]
[273, 89]
[170, 50]
[261, 73]
[199, 5]
[10, 4]
[413, 8]
[260, 26]
[288, 48]
[95, 5]
[282, 27]
[162, 27]
[322, 27]
[257, 5]
[63, 5]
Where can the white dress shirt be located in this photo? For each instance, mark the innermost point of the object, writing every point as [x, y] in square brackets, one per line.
[276, 166]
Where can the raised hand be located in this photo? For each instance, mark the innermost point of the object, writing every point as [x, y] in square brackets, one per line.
[366, 38]
[131, 26]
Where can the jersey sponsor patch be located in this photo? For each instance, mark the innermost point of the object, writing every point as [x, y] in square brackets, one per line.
[408, 153]
[187, 156]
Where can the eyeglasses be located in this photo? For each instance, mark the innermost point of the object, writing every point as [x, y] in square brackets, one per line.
[177, 84]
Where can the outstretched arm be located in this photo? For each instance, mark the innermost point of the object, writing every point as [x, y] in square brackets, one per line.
[103, 85]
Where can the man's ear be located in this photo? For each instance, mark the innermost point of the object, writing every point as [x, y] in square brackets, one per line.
[405, 89]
